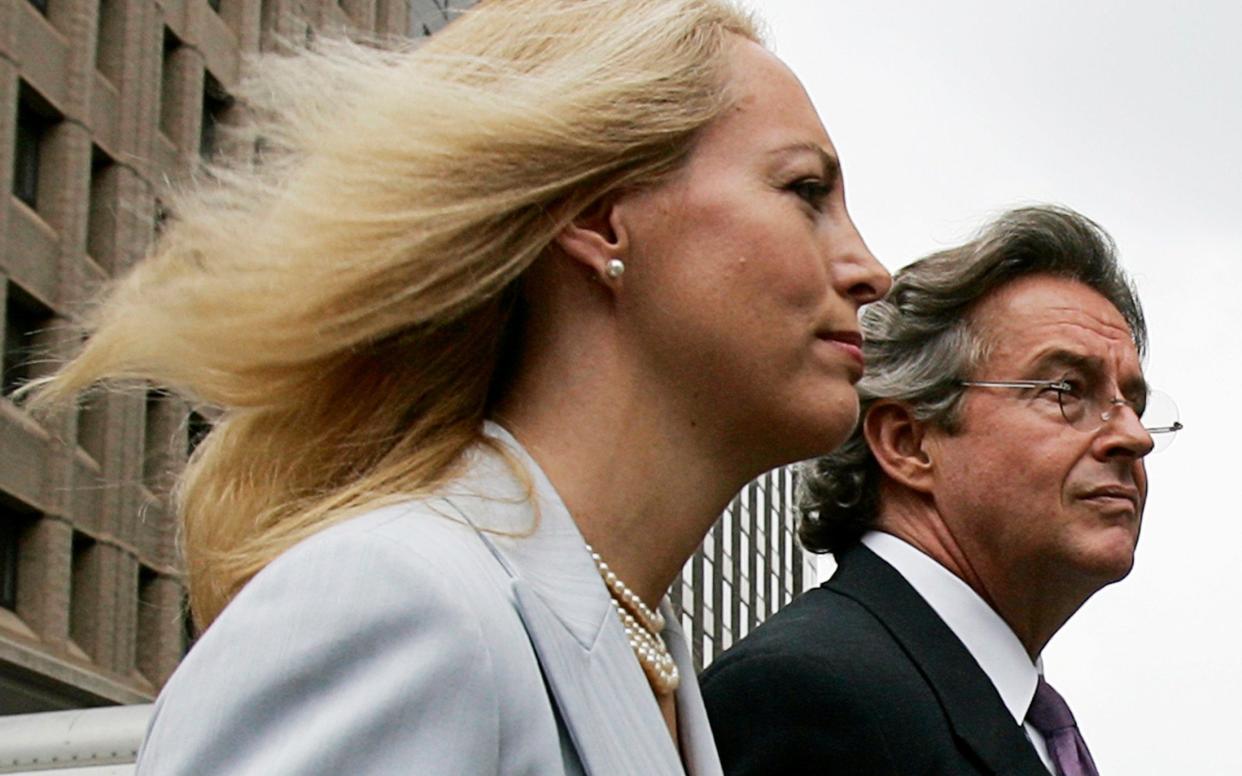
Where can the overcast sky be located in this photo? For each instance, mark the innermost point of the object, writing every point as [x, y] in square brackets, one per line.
[1131, 112]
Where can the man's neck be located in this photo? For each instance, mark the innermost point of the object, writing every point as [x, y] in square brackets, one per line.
[1031, 602]
[982, 631]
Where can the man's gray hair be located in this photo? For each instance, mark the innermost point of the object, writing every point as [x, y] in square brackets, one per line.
[920, 342]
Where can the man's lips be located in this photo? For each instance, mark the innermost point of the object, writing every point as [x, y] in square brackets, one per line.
[1113, 494]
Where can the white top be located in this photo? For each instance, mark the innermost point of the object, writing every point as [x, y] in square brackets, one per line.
[987, 637]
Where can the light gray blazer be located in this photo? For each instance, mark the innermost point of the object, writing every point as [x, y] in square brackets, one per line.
[404, 641]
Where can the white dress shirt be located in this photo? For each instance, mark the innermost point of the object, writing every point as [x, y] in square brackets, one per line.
[986, 636]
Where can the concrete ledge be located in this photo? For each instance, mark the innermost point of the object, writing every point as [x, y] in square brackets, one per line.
[48, 681]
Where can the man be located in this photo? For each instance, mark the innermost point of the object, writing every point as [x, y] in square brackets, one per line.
[994, 483]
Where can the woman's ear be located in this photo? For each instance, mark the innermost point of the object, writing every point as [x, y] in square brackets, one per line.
[597, 240]
[898, 440]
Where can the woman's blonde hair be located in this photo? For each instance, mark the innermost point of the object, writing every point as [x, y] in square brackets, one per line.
[342, 290]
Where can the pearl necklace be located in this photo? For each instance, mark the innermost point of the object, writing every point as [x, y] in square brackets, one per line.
[643, 627]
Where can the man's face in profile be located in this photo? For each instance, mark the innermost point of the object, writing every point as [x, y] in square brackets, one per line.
[1031, 499]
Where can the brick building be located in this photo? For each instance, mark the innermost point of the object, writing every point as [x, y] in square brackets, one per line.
[100, 101]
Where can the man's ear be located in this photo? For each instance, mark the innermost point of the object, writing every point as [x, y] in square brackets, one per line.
[899, 443]
[596, 236]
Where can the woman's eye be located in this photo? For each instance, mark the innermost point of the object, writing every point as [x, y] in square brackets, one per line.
[813, 191]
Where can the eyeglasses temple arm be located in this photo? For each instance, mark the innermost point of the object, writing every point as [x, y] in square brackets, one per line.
[1177, 426]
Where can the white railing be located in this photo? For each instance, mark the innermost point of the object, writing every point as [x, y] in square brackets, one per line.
[82, 742]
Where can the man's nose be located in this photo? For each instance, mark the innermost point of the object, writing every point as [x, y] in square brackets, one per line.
[1123, 432]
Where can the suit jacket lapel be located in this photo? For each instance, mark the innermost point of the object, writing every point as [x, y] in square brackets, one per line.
[601, 692]
[698, 747]
[599, 688]
[970, 701]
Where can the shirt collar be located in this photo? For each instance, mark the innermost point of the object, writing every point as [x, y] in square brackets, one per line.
[985, 635]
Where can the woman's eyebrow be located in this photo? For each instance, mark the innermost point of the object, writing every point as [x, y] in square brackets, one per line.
[828, 161]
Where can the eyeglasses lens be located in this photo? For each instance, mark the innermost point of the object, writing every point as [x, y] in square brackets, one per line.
[1159, 416]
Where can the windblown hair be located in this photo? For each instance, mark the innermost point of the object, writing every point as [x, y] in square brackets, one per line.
[343, 292]
[922, 340]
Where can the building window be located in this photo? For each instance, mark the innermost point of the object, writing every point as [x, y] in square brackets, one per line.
[197, 427]
[169, 84]
[216, 102]
[425, 21]
[189, 632]
[159, 218]
[8, 564]
[93, 426]
[84, 593]
[161, 632]
[16, 520]
[110, 39]
[157, 435]
[33, 126]
[150, 614]
[102, 216]
[25, 319]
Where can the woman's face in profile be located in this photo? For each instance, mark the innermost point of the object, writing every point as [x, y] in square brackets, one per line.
[746, 274]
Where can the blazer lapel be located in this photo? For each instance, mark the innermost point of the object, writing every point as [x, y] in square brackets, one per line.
[970, 701]
[601, 692]
[597, 684]
[698, 747]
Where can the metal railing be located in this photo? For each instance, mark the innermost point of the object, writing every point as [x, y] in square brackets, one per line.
[83, 742]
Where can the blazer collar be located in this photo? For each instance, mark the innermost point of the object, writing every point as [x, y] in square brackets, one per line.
[600, 690]
[975, 710]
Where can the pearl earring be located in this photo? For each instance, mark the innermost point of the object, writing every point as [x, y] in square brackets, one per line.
[614, 269]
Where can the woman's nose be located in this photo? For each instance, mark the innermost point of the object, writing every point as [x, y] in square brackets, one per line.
[860, 275]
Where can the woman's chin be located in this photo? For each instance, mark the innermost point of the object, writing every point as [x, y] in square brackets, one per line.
[813, 435]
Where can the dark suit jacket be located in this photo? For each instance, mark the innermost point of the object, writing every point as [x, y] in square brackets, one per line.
[860, 676]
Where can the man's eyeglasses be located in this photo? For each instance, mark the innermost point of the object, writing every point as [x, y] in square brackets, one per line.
[1087, 412]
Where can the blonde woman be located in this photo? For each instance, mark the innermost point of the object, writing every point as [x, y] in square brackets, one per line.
[497, 327]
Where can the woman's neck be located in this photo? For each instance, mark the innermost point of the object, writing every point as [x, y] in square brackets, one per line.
[642, 491]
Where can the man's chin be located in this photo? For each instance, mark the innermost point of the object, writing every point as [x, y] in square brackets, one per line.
[1112, 559]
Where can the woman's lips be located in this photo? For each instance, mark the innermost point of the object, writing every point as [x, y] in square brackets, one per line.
[849, 342]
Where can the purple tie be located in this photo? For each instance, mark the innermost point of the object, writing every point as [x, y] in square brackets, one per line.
[1051, 716]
